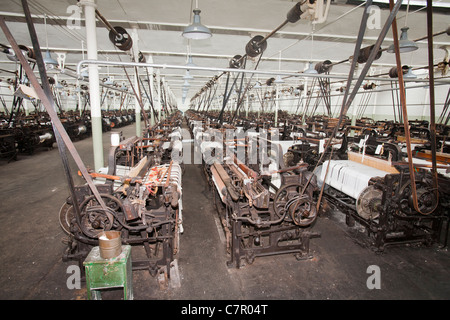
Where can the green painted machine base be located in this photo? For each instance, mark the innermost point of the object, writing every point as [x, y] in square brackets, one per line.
[108, 273]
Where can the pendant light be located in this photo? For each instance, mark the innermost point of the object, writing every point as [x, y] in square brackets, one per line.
[184, 94]
[278, 80]
[77, 88]
[186, 84]
[190, 63]
[48, 60]
[257, 85]
[404, 44]
[58, 85]
[409, 74]
[188, 76]
[84, 73]
[109, 81]
[196, 30]
[311, 69]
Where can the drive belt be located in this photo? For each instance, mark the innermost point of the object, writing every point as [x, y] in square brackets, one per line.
[405, 111]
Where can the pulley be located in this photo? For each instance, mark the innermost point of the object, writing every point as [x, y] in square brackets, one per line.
[256, 46]
[10, 54]
[295, 13]
[28, 51]
[141, 57]
[324, 66]
[290, 204]
[236, 62]
[94, 218]
[364, 54]
[393, 73]
[426, 198]
[120, 38]
[270, 81]
[369, 86]
[303, 211]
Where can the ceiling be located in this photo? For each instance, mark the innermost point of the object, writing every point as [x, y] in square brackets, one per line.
[156, 27]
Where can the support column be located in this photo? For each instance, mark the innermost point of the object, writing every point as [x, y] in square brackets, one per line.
[425, 102]
[248, 106]
[277, 105]
[137, 106]
[305, 95]
[94, 84]
[151, 91]
[79, 99]
[375, 102]
[162, 96]
[157, 97]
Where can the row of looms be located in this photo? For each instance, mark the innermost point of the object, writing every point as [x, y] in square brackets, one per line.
[278, 150]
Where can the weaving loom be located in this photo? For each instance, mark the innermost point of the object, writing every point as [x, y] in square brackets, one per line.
[348, 177]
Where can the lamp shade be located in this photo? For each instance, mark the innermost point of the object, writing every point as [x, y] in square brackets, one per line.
[278, 80]
[186, 84]
[188, 76]
[404, 44]
[48, 60]
[190, 63]
[409, 75]
[196, 30]
[84, 73]
[257, 85]
[11, 55]
[310, 69]
[109, 81]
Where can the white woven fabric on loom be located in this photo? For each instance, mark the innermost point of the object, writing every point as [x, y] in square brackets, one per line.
[349, 177]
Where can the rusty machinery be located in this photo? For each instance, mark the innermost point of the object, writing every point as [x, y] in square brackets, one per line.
[375, 191]
[406, 202]
[397, 197]
[23, 131]
[267, 211]
[143, 199]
